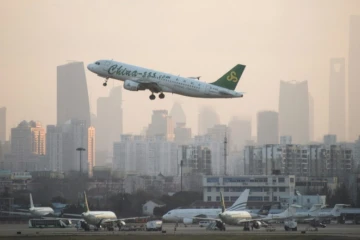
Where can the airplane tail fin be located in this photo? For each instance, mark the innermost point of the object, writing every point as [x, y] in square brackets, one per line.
[264, 210]
[241, 202]
[31, 202]
[86, 203]
[222, 202]
[336, 210]
[231, 78]
[315, 208]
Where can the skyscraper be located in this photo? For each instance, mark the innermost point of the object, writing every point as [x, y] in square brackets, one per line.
[177, 114]
[354, 78]
[240, 133]
[294, 111]
[208, 118]
[337, 107]
[3, 124]
[109, 120]
[267, 127]
[72, 93]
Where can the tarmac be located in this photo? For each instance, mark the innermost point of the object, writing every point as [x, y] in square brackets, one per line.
[341, 230]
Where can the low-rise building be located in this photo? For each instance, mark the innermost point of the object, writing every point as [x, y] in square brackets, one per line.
[263, 188]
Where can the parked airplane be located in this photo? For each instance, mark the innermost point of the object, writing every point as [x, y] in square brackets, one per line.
[34, 211]
[137, 78]
[243, 217]
[313, 211]
[187, 216]
[100, 219]
[335, 212]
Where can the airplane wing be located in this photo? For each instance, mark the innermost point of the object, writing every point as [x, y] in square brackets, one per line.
[18, 213]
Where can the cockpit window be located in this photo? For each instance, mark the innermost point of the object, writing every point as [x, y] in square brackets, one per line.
[97, 63]
[169, 213]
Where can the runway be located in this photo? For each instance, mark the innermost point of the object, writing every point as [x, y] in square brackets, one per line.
[337, 230]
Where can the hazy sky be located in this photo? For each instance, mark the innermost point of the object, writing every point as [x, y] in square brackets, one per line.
[276, 39]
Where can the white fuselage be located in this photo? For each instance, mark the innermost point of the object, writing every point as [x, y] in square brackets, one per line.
[178, 215]
[97, 218]
[41, 211]
[167, 82]
[233, 217]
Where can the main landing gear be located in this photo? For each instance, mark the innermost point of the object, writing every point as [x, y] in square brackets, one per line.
[161, 96]
[105, 83]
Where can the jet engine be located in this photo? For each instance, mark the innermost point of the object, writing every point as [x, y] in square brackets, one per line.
[188, 221]
[131, 85]
[257, 224]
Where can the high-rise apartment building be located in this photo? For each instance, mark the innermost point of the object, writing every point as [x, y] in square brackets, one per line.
[161, 125]
[109, 120]
[54, 148]
[267, 127]
[91, 150]
[38, 141]
[239, 133]
[294, 111]
[208, 118]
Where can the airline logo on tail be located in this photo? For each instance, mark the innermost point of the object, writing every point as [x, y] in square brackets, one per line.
[232, 77]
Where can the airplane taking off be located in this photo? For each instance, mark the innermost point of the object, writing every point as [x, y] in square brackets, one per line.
[137, 79]
[34, 211]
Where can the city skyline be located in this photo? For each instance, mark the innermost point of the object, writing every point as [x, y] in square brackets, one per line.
[279, 59]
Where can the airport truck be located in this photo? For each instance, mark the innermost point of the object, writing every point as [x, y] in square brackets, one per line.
[155, 225]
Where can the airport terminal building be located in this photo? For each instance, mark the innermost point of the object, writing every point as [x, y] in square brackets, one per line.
[263, 189]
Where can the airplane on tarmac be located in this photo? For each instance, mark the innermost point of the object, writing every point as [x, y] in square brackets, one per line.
[335, 212]
[137, 79]
[99, 219]
[34, 211]
[245, 218]
[187, 215]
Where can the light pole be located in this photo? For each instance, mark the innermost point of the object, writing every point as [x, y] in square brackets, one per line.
[80, 149]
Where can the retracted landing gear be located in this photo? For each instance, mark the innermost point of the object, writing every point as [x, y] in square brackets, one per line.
[105, 83]
[161, 95]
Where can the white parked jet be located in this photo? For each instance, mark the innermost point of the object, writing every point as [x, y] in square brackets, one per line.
[335, 212]
[188, 215]
[137, 78]
[34, 211]
[100, 219]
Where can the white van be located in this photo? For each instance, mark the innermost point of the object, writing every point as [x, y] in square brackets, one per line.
[204, 223]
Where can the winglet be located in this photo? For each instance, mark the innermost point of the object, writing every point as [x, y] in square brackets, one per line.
[86, 203]
[31, 202]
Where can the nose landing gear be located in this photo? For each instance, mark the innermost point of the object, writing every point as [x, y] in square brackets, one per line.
[161, 95]
[105, 83]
